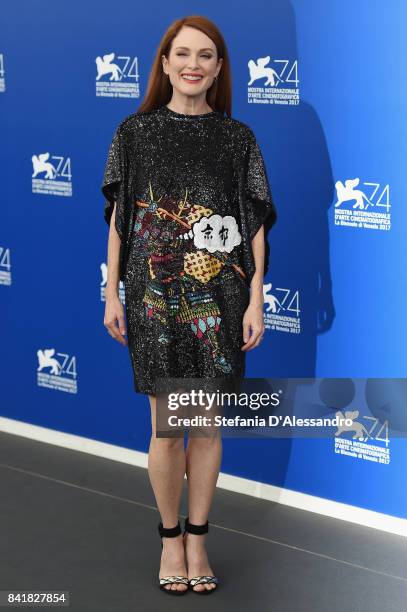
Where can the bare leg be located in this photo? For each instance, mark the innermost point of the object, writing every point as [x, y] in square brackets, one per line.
[204, 456]
[166, 468]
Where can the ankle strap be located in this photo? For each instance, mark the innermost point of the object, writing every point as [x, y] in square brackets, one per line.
[196, 529]
[169, 532]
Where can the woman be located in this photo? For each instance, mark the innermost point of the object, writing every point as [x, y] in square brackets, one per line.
[189, 208]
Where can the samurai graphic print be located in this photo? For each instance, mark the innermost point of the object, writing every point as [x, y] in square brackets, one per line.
[191, 192]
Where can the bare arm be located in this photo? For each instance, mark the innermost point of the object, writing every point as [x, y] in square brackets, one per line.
[253, 318]
[256, 286]
[114, 311]
[113, 255]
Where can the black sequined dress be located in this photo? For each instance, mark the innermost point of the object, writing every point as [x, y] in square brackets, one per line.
[191, 192]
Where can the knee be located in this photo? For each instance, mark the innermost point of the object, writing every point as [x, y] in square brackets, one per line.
[205, 437]
[168, 444]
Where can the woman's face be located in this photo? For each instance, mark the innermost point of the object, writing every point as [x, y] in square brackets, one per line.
[192, 54]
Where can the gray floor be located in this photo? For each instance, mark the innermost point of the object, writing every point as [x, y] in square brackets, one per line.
[71, 521]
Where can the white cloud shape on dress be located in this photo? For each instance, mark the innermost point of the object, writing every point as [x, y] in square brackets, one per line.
[216, 233]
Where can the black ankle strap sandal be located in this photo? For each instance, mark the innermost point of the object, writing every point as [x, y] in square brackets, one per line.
[200, 530]
[171, 532]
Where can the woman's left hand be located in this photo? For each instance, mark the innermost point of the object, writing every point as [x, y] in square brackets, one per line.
[253, 322]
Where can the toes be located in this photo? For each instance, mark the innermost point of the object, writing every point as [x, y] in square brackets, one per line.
[209, 586]
[206, 586]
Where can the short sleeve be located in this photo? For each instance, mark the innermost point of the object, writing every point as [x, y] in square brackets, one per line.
[113, 182]
[259, 203]
[115, 188]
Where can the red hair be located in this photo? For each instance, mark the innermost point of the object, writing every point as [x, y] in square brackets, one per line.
[159, 88]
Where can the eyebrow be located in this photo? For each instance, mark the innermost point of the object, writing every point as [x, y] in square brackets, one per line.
[204, 49]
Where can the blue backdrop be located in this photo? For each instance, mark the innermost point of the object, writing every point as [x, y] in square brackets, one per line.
[321, 85]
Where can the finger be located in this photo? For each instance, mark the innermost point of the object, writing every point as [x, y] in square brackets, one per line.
[250, 344]
[120, 338]
[246, 332]
[112, 329]
[114, 332]
[254, 339]
[122, 326]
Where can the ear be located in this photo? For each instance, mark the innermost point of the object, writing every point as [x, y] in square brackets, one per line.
[220, 62]
[163, 62]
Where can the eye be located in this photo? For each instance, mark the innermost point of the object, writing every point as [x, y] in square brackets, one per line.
[203, 55]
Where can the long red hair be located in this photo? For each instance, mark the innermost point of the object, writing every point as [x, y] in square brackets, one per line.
[159, 88]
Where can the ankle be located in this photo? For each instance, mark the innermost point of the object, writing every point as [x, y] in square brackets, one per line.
[197, 541]
[172, 541]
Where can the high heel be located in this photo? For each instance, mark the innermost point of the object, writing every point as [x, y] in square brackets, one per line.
[171, 532]
[200, 530]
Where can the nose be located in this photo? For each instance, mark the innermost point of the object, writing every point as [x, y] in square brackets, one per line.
[193, 64]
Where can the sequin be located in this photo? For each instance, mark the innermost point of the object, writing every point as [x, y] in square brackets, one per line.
[191, 192]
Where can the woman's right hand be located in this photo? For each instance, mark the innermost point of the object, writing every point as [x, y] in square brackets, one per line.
[114, 319]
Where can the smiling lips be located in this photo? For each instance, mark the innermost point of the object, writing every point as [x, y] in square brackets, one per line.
[192, 78]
